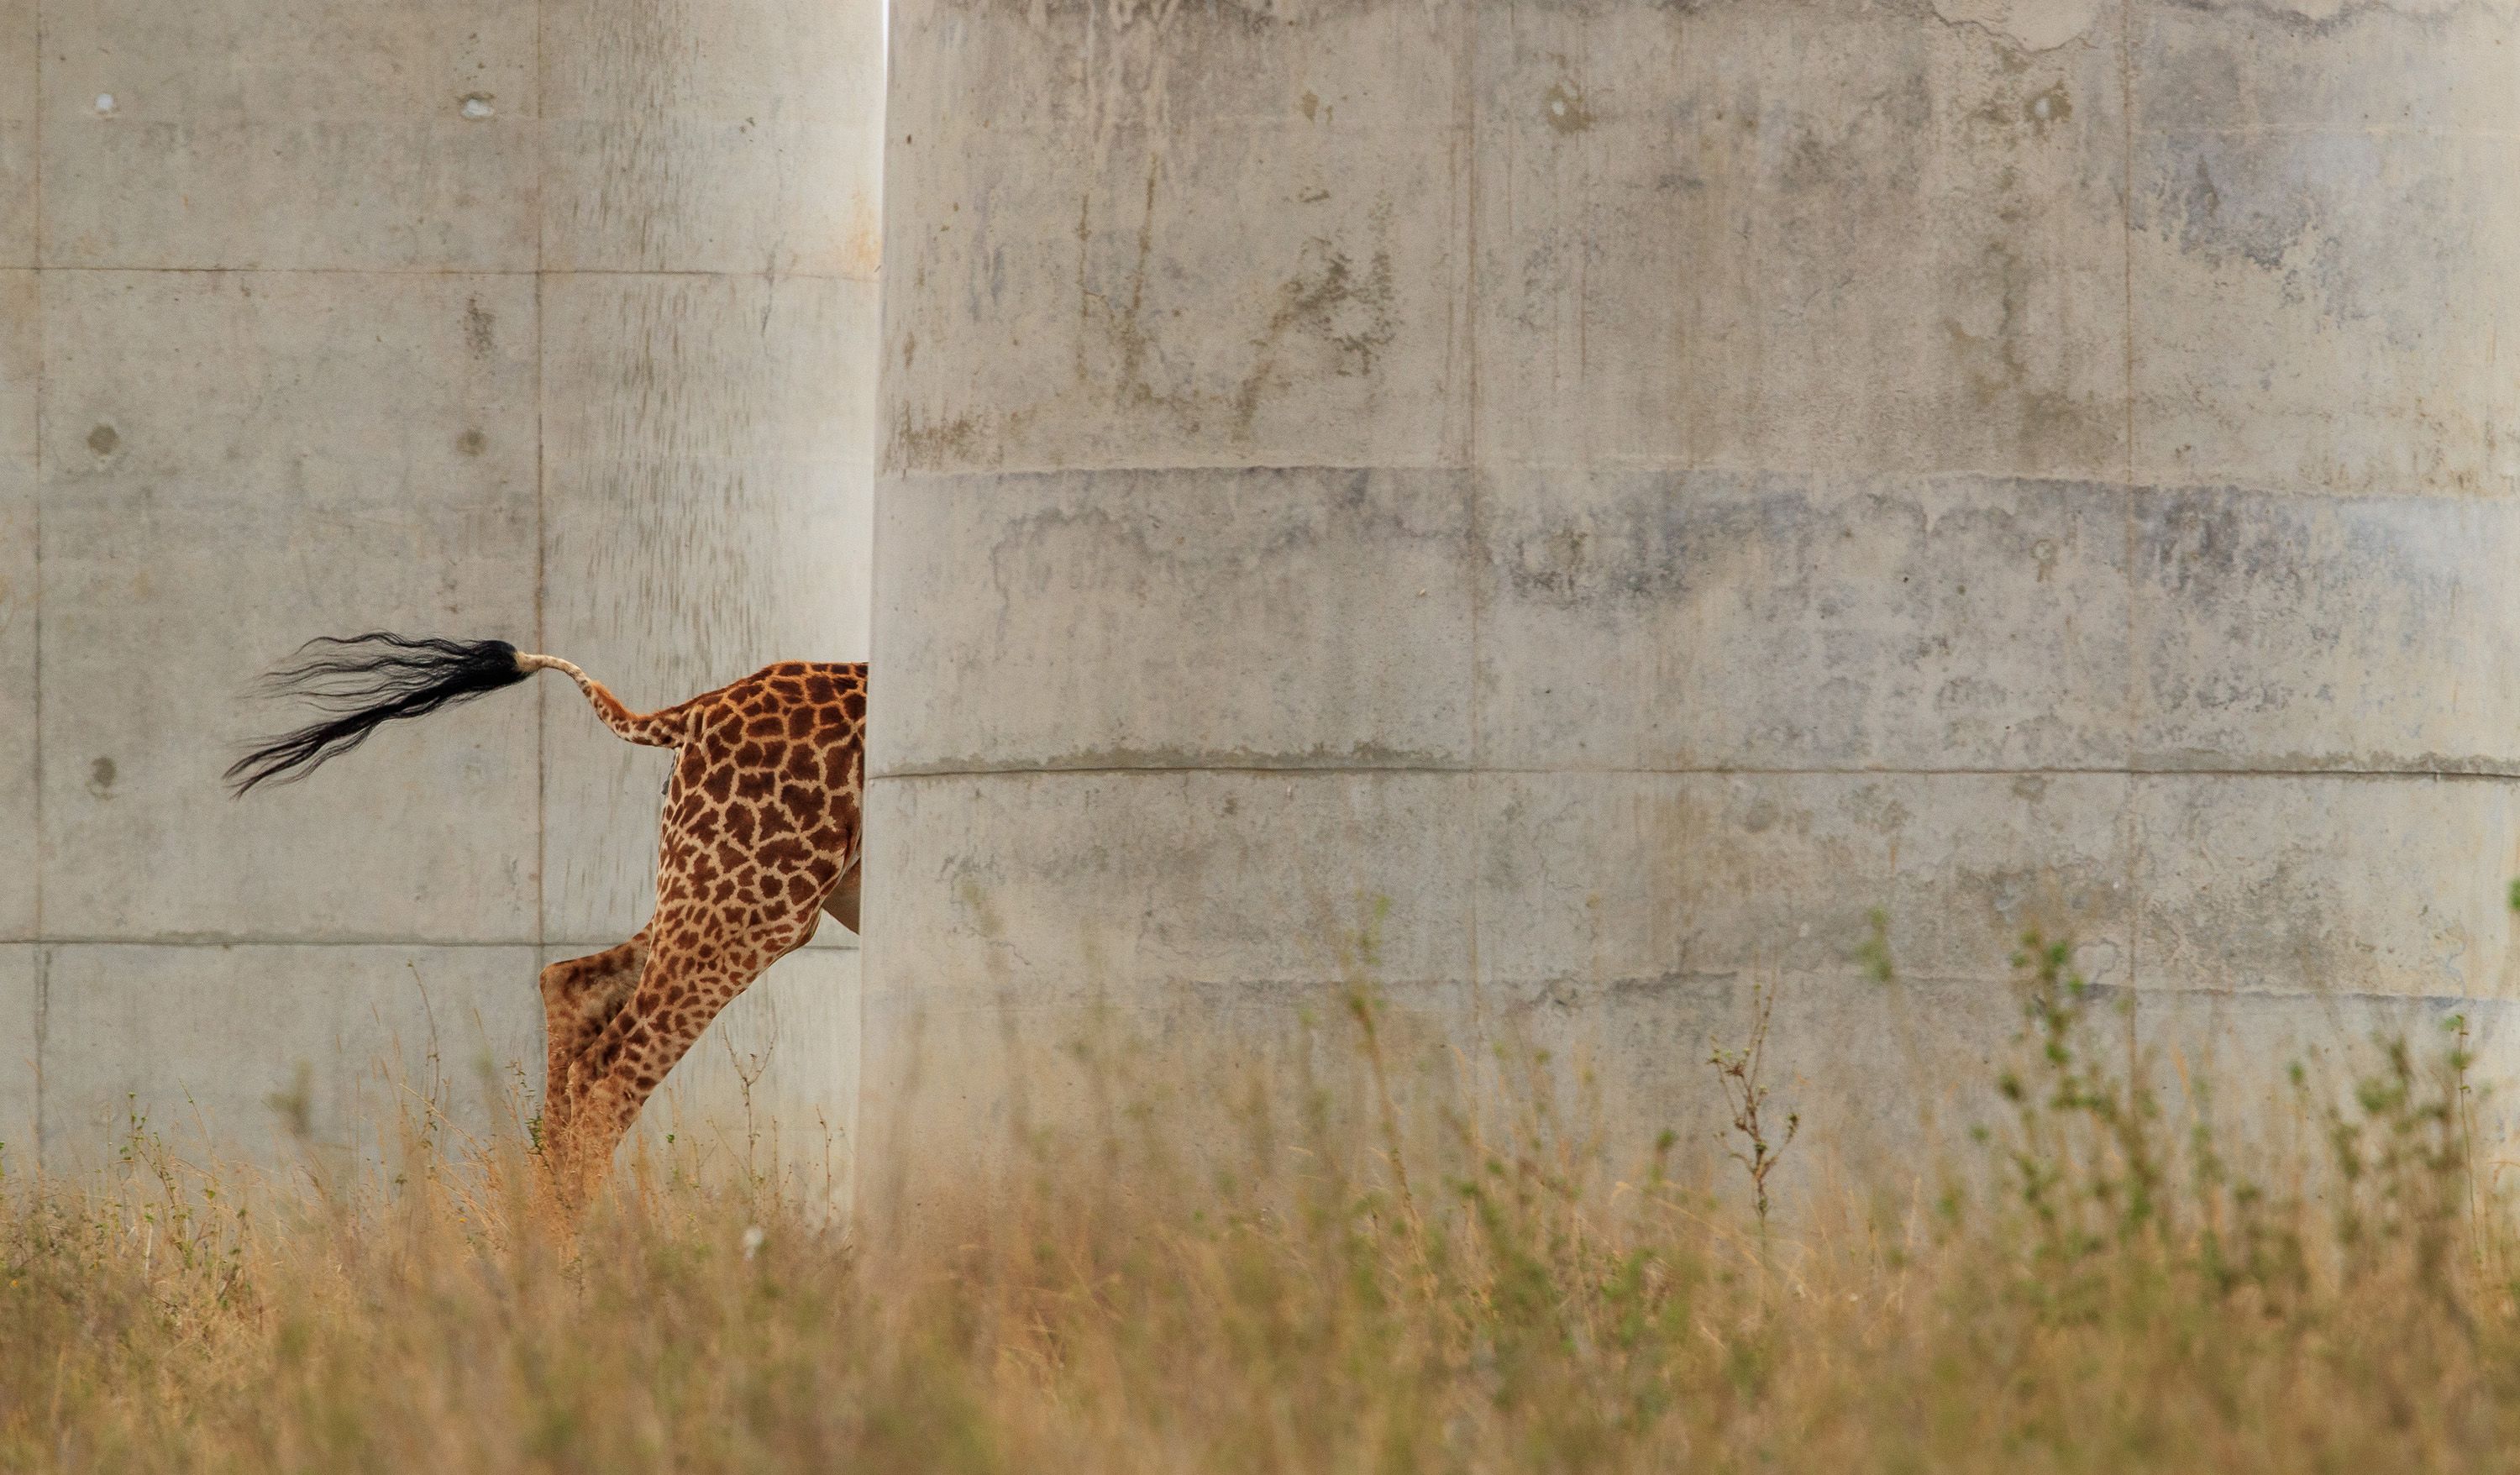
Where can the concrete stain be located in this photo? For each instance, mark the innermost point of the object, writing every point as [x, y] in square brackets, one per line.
[2044, 426]
[1330, 301]
[2264, 227]
[478, 322]
[924, 446]
[1565, 110]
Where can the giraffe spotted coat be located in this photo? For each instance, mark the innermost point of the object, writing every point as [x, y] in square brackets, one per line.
[760, 840]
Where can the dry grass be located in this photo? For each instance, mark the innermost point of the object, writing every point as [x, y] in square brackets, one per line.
[2104, 1290]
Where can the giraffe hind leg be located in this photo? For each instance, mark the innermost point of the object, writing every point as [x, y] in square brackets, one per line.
[580, 996]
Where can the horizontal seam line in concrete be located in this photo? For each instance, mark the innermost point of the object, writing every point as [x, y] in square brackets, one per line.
[1855, 478]
[2504, 775]
[973, 999]
[1548, 988]
[754, 273]
[228, 939]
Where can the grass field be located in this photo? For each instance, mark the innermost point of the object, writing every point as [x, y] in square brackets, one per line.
[2101, 1287]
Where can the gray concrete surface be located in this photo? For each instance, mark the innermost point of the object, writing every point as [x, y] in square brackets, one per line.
[551, 322]
[1558, 509]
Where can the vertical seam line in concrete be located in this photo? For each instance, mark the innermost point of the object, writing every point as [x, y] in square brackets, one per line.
[43, 955]
[36, 698]
[542, 637]
[2134, 649]
[1467, 146]
[43, 1030]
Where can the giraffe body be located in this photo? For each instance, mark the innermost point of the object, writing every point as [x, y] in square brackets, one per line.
[760, 840]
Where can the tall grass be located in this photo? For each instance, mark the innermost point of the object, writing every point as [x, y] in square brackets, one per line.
[2108, 1284]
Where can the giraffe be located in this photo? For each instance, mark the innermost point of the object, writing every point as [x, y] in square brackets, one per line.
[759, 841]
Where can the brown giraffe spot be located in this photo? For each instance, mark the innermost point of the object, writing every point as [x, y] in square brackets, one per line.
[853, 705]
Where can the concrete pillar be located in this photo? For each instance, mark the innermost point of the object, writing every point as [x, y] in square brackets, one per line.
[551, 322]
[1600, 495]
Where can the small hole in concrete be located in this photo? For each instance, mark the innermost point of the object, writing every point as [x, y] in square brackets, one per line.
[103, 441]
[472, 442]
[476, 105]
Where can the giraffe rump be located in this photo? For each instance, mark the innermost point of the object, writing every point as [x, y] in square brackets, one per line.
[363, 682]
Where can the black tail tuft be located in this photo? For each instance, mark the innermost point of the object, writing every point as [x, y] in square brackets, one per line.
[365, 680]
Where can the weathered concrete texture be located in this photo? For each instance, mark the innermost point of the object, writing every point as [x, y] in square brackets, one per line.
[1617, 491]
[1797, 236]
[329, 135]
[17, 133]
[1319, 613]
[553, 322]
[273, 1052]
[2322, 248]
[1281, 195]
[1959, 621]
[20, 1025]
[729, 136]
[19, 337]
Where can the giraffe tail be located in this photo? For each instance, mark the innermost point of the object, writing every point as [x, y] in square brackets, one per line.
[666, 729]
[362, 681]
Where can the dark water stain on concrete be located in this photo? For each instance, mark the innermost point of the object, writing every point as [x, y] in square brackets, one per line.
[1564, 110]
[478, 325]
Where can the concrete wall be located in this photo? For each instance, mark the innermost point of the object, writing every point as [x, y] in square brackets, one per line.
[1562, 508]
[547, 320]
